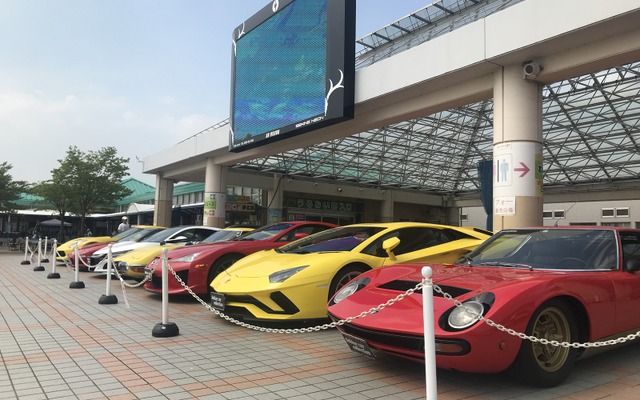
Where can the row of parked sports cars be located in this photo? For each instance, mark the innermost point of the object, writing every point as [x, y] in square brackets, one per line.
[568, 285]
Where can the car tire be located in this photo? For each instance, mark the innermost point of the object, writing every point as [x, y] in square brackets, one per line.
[345, 275]
[547, 365]
[220, 265]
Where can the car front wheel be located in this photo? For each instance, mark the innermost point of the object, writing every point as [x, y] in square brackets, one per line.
[343, 276]
[220, 265]
[547, 365]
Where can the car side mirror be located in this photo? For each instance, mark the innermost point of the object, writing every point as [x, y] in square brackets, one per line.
[300, 235]
[390, 244]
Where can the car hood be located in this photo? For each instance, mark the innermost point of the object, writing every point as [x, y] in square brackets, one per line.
[265, 263]
[226, 247]
[471, 278]
[92, 248]
[461, 282]
[143, 255]
[82, 241]
[125, 246]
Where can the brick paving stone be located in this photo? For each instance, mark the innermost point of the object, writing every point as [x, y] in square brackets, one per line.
[59, 343]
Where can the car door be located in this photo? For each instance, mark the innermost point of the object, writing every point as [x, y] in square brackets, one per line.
[627, 285]
[417, 245]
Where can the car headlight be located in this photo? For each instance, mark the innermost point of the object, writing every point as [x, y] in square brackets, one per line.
[122, 265]
[349, 289]
[188, 258]
[466, 315]
[282, 276]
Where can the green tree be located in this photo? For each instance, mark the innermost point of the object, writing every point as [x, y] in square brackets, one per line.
[9, 189]
[58, 197]
[91, 180]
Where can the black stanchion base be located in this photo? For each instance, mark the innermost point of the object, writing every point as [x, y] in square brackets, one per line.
[108, 299]
[25, 262]
[76, 285]
[165, 330]
[38, 268]
[53, 275]
[45, 260]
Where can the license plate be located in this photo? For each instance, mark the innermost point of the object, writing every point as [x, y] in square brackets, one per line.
[358, 345]
[217, 301]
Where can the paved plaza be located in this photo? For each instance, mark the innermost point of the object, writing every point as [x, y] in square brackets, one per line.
[60, 343]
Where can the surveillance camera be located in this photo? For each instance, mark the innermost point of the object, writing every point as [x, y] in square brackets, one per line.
[531, 69]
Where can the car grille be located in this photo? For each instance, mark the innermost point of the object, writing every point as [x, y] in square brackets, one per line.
[156, 281]
[412, 343]
[409, 342]
[61, 253]
[280, 299]
[95, 260]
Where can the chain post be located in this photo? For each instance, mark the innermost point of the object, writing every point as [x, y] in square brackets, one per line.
[39, 267]
[165, 328]
[77, 283]
[46, 245]
[26, 251]
[53, 274]
[108, 298]
[429, 335]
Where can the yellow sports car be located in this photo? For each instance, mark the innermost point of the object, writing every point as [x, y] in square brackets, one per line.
[66, 248]
[295, 281]
[135, 261]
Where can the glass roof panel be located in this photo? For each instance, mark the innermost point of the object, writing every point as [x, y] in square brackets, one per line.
[591, 125]
[591, 130]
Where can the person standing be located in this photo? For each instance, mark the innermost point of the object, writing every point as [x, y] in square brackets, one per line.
[124, 225]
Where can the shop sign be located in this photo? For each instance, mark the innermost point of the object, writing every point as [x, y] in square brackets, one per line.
[241, 207]
[325, 205]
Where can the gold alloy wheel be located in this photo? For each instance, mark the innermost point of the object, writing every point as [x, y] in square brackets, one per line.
[551, 324]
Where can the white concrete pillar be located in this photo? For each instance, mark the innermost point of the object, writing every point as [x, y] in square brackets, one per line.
[215, 195]
[275, 212]
[163, 201]
[517, 150]
[387, 206]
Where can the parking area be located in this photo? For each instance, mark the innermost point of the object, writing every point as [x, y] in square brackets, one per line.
[57, 342]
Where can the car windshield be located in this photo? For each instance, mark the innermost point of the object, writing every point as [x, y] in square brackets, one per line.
[266, 232]
[126, 233]
[143, 234]
[222, 235]
[163, 235]
[338, 239]
[548, 249]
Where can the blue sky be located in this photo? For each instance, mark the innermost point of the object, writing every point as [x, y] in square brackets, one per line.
[139, 75]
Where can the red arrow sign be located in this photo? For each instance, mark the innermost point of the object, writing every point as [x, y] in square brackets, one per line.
[524, 169]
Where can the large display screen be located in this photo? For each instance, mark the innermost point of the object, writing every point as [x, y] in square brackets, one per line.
[293, 70]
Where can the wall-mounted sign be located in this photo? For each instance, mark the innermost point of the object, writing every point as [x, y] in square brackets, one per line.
[241, 207]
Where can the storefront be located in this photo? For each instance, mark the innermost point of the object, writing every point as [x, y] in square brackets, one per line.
[335, 211]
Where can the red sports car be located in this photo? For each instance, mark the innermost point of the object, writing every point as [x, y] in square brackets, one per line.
[85, 254]
[198, 265]
[565, 284]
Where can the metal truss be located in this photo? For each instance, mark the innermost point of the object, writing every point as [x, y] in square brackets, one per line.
[591, 125]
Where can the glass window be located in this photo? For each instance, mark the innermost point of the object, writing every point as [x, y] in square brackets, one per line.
[622, 212]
